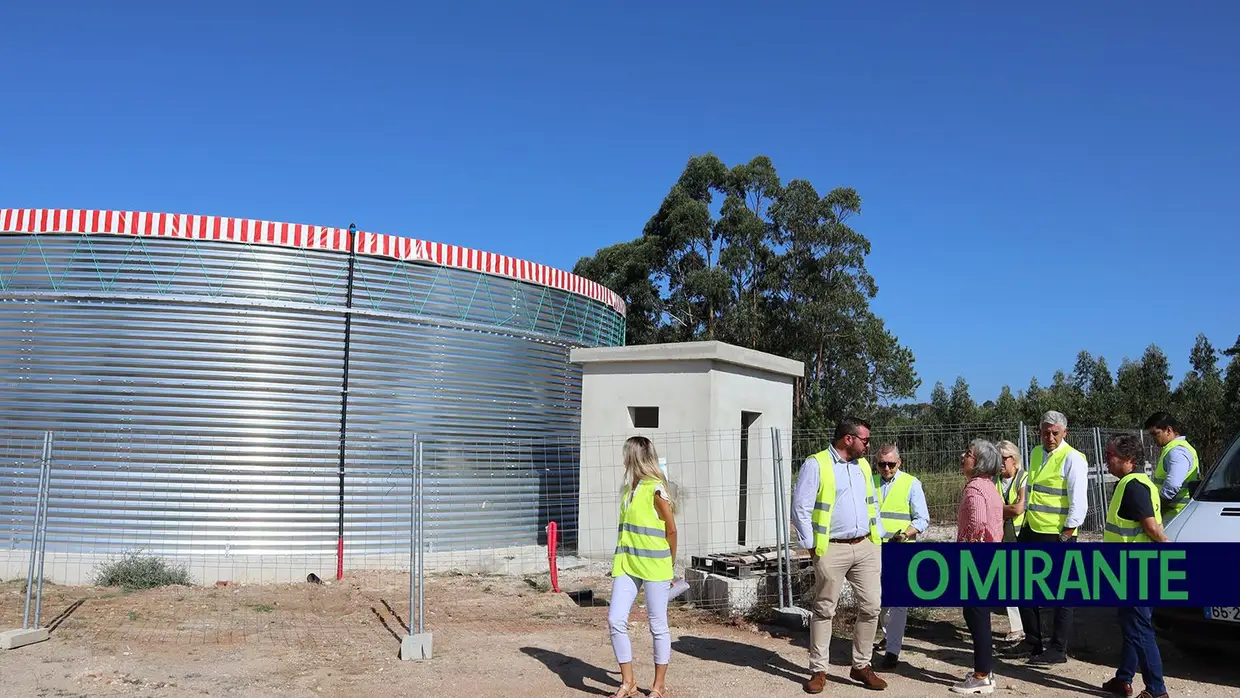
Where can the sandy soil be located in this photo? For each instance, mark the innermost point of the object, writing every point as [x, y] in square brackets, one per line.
[493, 637]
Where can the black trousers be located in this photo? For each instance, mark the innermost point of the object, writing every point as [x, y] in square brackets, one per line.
[1031, 617]
[978, 620]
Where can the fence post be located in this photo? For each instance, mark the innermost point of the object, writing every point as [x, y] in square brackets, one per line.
[422, 549]
[786, 503]
[776, 480]
[1099, 512]
[788, 612]
[27, 635]
[47, 495]
[416, 645]
[413, 528]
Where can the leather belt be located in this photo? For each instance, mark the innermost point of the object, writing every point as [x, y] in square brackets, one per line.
[849, 541]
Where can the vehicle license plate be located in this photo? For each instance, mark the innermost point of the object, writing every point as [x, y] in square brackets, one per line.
[1226, 614]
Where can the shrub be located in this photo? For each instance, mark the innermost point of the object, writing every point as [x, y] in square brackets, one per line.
[133, 570]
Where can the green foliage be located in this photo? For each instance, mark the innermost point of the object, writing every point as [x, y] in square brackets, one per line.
[1206, 402]
[960, 406]
[1231, 390]
[736, 255]
[133, 570]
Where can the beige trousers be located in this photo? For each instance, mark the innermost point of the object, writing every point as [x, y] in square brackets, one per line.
[861, 564]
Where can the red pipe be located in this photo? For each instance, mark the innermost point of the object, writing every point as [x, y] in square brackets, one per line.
[340, 558]
[552, 529]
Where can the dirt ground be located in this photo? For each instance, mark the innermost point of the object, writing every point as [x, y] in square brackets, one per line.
[494, 636]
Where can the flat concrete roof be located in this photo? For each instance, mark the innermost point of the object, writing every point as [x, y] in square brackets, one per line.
[690, 351]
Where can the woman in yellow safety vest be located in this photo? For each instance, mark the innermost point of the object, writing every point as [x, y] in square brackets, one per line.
[645, 552]
[1013, 482]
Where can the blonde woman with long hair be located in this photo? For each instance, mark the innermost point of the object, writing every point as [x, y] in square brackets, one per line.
[644, 559]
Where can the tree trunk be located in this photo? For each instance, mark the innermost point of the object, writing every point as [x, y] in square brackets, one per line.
[818, 361]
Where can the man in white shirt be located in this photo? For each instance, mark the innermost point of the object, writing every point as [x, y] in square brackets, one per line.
[1056, 506]
[835, 514]
[903, 515]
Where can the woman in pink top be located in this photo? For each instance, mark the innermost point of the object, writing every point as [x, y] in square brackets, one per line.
[980, 520]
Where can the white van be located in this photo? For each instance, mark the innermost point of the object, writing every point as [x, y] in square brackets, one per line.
[1213, 515]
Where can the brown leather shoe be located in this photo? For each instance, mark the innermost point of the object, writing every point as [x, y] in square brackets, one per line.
[868, 678]
[816, 683]
[1118, 688]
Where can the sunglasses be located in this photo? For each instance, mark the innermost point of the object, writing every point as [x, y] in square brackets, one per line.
[887, 464]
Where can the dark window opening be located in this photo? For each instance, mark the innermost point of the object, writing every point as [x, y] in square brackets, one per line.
[644, 417]
[747, 421]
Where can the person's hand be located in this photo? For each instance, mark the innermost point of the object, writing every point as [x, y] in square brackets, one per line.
[899, 537]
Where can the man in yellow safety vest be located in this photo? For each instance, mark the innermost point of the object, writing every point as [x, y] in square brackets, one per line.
[1134, 516]
[1178, 467]
[835, 515]
[1056, 505]
[903, 516]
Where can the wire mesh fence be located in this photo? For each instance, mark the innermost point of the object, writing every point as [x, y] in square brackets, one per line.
[489, 504]
[236, 514]
[243, 510]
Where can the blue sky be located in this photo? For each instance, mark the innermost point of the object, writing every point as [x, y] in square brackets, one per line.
[1038, 178]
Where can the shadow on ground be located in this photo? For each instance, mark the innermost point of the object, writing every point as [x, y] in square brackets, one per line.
[946, 642]
[1096, 640]
[739, 654]
[574, 672]
[64, 615]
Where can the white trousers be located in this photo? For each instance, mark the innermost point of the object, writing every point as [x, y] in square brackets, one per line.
[623, 594]
[893, 621]
[1014, 620]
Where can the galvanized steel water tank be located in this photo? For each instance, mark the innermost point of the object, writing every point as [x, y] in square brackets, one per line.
[191, 368]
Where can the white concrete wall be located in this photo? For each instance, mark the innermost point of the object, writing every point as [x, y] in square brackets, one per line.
[678, 389]
[700, 390]
[737, 389]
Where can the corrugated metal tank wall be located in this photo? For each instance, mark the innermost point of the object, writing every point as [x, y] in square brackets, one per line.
[194, 388]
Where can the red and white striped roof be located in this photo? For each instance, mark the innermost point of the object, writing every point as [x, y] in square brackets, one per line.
[244, 230]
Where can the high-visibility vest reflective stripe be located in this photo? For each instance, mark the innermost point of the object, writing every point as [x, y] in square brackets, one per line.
[1120, 530]
[1013, 495]
[821, 516]
[641, 546]
[1046, 507]
[894, 508]
[1160, 474]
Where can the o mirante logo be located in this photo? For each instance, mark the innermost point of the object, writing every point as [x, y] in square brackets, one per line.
[1030, 575]
[1063, 574]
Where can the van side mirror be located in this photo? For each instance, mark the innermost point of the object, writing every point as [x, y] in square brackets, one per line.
[1192, 487]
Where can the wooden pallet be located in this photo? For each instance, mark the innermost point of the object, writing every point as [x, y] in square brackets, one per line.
[760, 562]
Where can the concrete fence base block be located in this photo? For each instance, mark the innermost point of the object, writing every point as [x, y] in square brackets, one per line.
[697, 585]
[793, 617]
[12, 639]
[416, 647]
[735, 596]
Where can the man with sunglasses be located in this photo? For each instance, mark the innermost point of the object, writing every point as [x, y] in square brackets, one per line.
[835, 515]
[904, 516]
